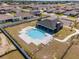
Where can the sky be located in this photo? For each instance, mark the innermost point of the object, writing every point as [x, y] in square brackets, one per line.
[47, 0]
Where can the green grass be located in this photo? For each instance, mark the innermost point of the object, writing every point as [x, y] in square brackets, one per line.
[71, 17]
[6, 23]
[64, 33]
[77, 26]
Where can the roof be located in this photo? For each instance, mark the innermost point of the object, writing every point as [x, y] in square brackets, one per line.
[71, 12]
[49, 23]
[23, 14]
[5, 17]
[74, 12]
[36, 11]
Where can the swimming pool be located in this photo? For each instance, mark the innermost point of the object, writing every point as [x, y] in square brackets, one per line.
[36, 33]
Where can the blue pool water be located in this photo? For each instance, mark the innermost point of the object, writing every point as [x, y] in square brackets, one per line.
[36, 33]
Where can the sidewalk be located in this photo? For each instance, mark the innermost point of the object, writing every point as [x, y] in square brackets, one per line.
[69, 36]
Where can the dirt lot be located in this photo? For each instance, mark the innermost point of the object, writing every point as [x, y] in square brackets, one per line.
[12, 55]
[8, 50]
[52, 50]
[73, 52]
[38, 52]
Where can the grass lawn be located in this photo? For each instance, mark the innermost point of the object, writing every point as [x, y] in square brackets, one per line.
[12, 55]
[77, 26]
[54, 48]
[10, 51]
[59, 14]
[61, 5]
[6, 23]
[73, 52]
[64, 32]
[13, 14]
[14, 31]
[71, 18]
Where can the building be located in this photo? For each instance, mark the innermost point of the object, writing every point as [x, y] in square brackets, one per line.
[66, 21]
[50, 25]
[50, 11]
[36, 12]
[60, 11]
[71, 13]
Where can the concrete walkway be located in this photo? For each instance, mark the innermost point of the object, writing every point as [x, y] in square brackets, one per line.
[69, 36]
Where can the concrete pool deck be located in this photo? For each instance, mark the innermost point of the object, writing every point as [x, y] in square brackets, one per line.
[29, 40]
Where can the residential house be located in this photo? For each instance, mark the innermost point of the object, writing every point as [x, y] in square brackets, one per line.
[36, 12]
[50, 25]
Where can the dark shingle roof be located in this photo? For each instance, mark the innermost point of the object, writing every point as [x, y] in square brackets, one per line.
[49, 23]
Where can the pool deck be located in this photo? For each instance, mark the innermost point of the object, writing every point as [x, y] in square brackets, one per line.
[29, 40]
